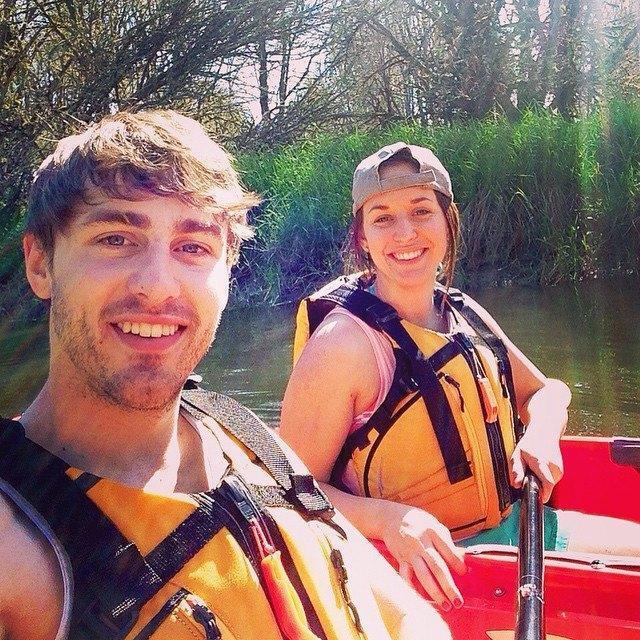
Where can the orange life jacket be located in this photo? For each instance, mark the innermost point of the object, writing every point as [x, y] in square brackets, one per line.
[243, 561]
[442, 436]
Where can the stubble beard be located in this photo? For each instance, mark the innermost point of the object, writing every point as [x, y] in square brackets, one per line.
[145, 384]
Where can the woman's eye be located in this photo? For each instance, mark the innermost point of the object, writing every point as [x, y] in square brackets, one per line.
[192, 248]
[382, 219]
[423, 212]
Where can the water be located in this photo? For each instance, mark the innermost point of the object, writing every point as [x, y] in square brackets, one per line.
[586, 335]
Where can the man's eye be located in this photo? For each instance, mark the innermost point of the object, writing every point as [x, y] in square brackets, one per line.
[114, 240]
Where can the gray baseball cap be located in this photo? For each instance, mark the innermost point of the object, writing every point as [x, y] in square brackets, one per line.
[431, 173]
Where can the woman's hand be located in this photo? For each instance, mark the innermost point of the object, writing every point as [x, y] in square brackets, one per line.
[539, 451]
[423, 547]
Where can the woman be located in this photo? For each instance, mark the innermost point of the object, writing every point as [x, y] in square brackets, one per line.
[420, 397]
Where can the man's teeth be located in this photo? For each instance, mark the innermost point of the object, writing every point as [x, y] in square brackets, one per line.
[148, 330]
[408, 256]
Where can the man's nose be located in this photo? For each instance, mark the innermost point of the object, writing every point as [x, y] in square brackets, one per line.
[154, 276]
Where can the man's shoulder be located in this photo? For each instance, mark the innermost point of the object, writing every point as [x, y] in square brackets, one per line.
[15, 539]
[29, 578]
[7, 516]
[17, 533]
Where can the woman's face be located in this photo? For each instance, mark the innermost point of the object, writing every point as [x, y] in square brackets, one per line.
[405, 232]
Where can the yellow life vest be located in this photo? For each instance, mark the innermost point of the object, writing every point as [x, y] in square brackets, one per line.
[258, 557]
[442, 437]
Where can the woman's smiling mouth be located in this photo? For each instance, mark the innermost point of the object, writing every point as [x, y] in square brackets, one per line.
[408, 255]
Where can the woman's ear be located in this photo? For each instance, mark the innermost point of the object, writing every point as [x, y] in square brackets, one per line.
[362, 241]
[38, 266]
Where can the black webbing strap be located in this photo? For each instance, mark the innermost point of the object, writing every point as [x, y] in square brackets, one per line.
[168, 557]
[112, 579]
[300, 488]
[98, 552]
[384, 317]
[381, 420]
[457, 300]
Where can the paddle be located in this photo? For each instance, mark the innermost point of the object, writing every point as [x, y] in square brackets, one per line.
[530, 613]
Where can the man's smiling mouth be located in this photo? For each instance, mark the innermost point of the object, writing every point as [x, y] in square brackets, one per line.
[147, 330]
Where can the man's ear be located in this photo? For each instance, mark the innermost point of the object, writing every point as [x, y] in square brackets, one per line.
[38, 266]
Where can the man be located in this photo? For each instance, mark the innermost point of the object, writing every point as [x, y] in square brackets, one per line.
[129, 507]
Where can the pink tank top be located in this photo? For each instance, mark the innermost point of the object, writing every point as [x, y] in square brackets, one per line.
[385, 360]
[386, 366]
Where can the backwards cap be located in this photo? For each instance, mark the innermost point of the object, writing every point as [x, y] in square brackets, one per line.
[431, 173]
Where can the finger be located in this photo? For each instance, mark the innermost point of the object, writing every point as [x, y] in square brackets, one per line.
[405, 571]
[543, 472]
[440, 571]
[517, 469]
[453, 556]
[430, 584]
[557, 472]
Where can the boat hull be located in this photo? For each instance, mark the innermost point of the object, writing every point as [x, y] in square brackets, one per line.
[587, 597]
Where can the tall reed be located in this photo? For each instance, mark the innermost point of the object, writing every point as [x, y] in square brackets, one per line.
[543, 199]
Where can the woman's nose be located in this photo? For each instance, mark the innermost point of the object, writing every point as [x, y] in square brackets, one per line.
[404, 228]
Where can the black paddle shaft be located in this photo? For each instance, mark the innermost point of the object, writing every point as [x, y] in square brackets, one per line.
[530, 605]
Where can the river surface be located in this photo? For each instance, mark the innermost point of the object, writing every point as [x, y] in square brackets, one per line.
[587, 334]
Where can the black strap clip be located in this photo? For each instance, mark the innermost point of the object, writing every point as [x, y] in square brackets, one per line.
[306, 492]
[382, 314]
[101, 624]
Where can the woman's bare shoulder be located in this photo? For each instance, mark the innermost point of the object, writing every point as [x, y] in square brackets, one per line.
[340, 339]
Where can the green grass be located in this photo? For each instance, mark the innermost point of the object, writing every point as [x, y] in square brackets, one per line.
[543, 200]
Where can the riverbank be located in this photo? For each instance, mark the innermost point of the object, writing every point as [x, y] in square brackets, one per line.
[543, 200]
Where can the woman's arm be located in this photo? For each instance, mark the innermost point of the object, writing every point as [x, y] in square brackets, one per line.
[406, 615]
[336, 378]
[542, 404]
[420, 543]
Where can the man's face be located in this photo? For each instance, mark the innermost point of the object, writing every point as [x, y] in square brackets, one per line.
[137, 290]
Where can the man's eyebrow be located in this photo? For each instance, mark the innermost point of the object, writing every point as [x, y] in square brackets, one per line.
[191, 225]
[116, 216]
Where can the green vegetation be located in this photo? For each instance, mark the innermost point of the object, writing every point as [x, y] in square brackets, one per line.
[542, 199]
[515, 96]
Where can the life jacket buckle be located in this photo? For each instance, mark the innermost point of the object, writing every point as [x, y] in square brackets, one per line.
[306, 492]
[106, 626]
[343, 577]
[381, 314]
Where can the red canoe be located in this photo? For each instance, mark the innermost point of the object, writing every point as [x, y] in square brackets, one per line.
[587, 597]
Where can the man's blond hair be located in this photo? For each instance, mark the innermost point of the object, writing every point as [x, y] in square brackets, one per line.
[160, 152]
